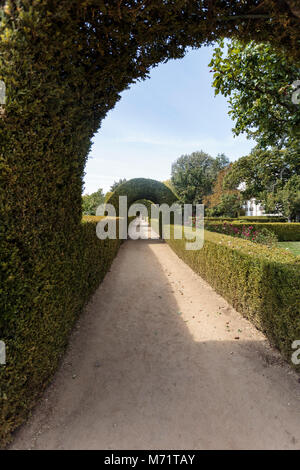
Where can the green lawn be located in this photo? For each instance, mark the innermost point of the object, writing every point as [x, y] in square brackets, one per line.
[293, 247]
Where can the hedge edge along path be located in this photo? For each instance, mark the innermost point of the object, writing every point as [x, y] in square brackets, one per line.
[262, 284]
[39, 338]
[64, 64]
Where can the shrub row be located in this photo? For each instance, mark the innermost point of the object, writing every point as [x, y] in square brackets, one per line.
[36, 333]
[262, 284]
[220, 219]
[261, 218]
[247, 232]
[285, 232]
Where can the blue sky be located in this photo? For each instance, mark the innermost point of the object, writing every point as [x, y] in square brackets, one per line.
[156, 121]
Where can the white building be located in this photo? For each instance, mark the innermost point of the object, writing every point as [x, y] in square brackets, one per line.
[253, 208]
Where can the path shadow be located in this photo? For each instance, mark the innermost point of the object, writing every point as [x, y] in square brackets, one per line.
[137, 374]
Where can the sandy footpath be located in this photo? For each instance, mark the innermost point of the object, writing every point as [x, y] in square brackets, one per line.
[158, 360]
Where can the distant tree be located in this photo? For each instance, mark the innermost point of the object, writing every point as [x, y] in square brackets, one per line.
[271, 176]
[170, 185]
[288, 199]
[107, 195]
[193, 175]
[230, 205]
[214, 199]
[90, 202]
[259, 83]
[116, 184]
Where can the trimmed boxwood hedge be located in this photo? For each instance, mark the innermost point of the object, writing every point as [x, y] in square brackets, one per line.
[261, 218]
[36, 332]
[285, 232]
[262, 284]
[142, 188]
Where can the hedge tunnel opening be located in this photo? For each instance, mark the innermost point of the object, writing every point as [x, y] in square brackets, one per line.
[138, 189]
[145, 191]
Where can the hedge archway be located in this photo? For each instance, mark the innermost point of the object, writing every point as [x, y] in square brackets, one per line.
[64, 64]
[142, 188]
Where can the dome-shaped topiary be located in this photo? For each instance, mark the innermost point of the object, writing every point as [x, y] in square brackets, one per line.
[142, 188]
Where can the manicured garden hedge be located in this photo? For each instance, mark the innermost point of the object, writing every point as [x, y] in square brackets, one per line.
[262, 284]
[51, 299]
[286, 232]
[219, 219]
[142, 188]
[262, 218]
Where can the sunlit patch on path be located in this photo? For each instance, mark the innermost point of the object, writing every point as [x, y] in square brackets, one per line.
[160, 361]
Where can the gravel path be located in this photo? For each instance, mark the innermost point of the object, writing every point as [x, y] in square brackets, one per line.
[158, 360]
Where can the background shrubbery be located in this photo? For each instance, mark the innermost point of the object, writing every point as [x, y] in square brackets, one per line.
[246, 232]
[283, 231]
[259, 218]
[262, 218]
[90, 202]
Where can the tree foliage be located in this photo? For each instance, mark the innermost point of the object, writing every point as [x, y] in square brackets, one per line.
[193, 175]
[288, 199]
[258, 81]
[218, 190]
[170, 185]
[115, 184]
[230, 205]
[90, 202]
[223, 201]
[270, 176]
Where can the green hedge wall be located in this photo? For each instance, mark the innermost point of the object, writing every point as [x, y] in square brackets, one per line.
[36, 331]
[249, 218]
[286, 232]
[142, 188]
[262, 218]
[262, 284]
